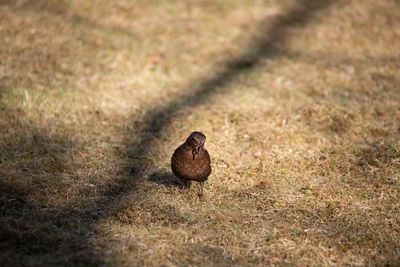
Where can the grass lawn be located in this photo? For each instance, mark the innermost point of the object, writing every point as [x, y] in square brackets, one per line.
[299, 100]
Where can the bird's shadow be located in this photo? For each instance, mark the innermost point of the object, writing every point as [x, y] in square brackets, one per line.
[165, 178]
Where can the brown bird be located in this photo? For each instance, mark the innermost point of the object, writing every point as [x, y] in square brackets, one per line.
[191, 162]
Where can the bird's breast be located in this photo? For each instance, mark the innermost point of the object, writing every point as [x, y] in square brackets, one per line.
[188, 167]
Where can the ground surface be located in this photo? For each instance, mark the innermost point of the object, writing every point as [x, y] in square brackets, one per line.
[300, 102]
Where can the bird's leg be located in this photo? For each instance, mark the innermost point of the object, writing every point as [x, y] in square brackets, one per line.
[201, 190]
[186, 185]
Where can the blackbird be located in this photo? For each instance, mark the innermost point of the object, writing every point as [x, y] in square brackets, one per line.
[191, 162]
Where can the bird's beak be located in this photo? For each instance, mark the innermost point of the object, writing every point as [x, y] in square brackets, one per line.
[196, 150]
[200, 147]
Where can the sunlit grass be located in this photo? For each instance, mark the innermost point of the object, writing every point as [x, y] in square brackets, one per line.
[304, 136]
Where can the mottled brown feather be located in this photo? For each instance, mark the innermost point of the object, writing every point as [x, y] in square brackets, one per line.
[186, 168]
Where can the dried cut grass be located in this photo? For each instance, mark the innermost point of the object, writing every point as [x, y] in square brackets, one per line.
[300, 102]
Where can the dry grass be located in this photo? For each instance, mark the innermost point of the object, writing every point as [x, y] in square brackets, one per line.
[300, 102]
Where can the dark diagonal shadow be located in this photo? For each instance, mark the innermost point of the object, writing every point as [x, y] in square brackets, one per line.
[82, 222]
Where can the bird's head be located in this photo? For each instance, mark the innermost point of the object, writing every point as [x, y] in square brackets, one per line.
[196, 141]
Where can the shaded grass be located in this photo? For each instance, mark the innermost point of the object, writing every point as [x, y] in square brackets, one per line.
[301, 118]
